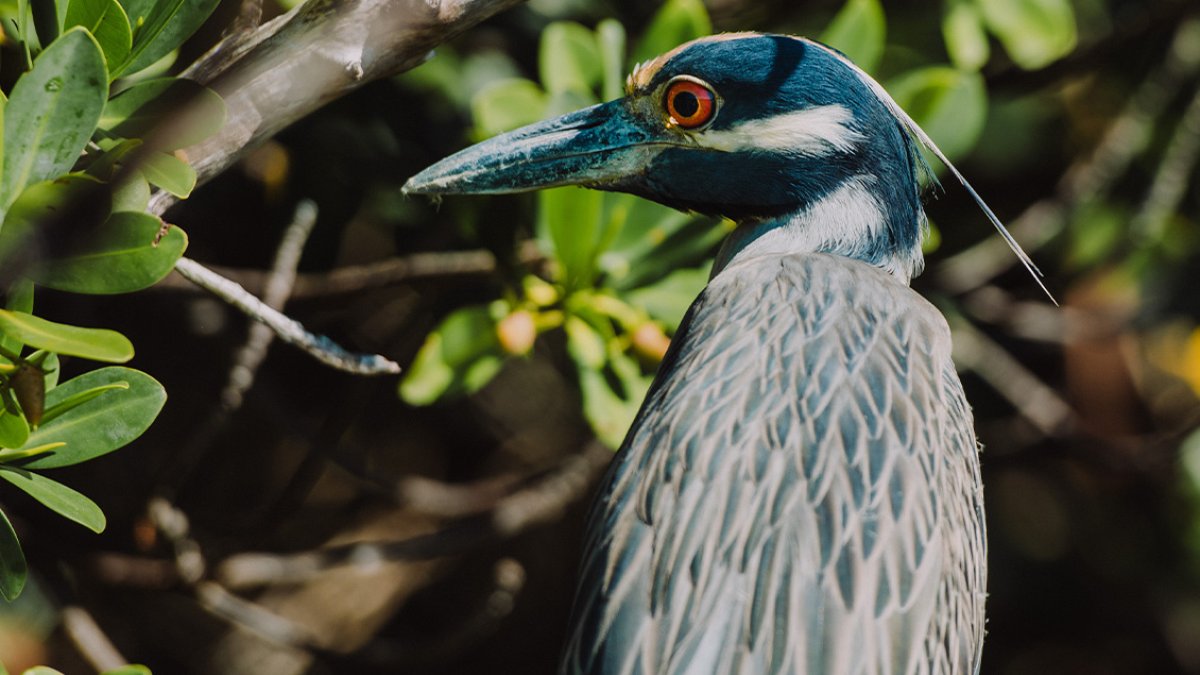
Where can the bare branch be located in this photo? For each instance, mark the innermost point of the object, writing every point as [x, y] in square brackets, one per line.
[287, 328]
[539, 503]
[278, 288]
[316, 53]
[357, 278]
[1035, 401]
[250, 615]
[81, 627]
[1172, 178]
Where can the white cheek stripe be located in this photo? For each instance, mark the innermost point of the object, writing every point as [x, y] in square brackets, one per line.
[814, 132]
[839, 223]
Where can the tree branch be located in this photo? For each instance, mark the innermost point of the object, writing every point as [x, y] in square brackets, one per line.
[316, 53]
[538, 503]
[287, 328]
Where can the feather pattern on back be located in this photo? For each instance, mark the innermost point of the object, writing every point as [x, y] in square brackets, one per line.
[794, 496]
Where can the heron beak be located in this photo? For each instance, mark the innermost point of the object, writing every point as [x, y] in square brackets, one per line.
[600, 147]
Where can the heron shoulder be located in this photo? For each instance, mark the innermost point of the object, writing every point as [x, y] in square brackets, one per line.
[829, 283]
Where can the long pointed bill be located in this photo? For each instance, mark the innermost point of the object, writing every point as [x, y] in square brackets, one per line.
[599, 147]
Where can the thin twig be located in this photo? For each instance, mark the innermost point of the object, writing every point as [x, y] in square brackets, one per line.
[89, 638]
[288, 329]
[251, 615]
[1172, 178]
[120, 569]
[542, 502]
[508, 579]
[1039, 321]
[1035, 401]
[173, 524]
[453, 500]
[275, 294]
[357, 278]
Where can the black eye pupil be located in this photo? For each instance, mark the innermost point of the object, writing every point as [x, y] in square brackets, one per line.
[686, 104]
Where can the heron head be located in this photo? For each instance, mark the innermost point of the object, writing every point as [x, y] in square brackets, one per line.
[781, 134]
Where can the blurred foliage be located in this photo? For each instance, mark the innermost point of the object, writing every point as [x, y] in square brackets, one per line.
[615, 284]
[1073, 118]
[73, 170]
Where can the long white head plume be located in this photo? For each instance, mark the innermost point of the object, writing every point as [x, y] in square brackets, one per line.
[918, 133]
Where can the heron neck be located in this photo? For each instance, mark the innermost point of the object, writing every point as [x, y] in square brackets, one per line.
[849, 221]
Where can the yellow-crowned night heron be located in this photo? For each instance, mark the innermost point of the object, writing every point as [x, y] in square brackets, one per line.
[800, 492]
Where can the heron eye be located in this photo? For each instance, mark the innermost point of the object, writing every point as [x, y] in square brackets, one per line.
[690, 104]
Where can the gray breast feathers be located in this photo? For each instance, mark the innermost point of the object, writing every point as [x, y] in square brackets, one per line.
[799, 494]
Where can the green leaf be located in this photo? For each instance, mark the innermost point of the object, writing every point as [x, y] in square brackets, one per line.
[569, 59]
[41, 670]
[52, 368]
[12, 561]
[460, 355]
[160, 27]
[505, 105]
[966, 42]
[57, 497]
[676, 22]
[1096, 230]
[571, 218]
[169, 173]
[951, 105]
[52, 113]
[41, 202]
[86, 13]
[136, 112]
[121, 257]
[610, 413]
[65, 405]
[97, 344]
[107, 165]
[19, 299]
[131, 195]
[1035, 33]
[106, 422]
[668, 299]
[656, 240]
[138, 11]
[858, 31]
[610, 37]
[132, 669]
[106, 21]
[14, 429]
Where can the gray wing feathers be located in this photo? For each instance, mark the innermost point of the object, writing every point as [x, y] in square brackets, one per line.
[799, 494]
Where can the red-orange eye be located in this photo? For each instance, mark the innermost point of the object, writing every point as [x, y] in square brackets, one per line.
[690, 104]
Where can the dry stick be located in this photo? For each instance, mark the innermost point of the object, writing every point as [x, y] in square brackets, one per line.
[253, 351]
[1035, 401]
[1171, 180]
[508, 579]
[91, 641]
[1039, 321]
[540, 503]
[288, 329]
[357, 278]
[1127, 137]
[251, 615]
[276, 292]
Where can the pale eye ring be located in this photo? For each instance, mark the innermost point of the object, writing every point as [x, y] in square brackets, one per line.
[689, 102]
